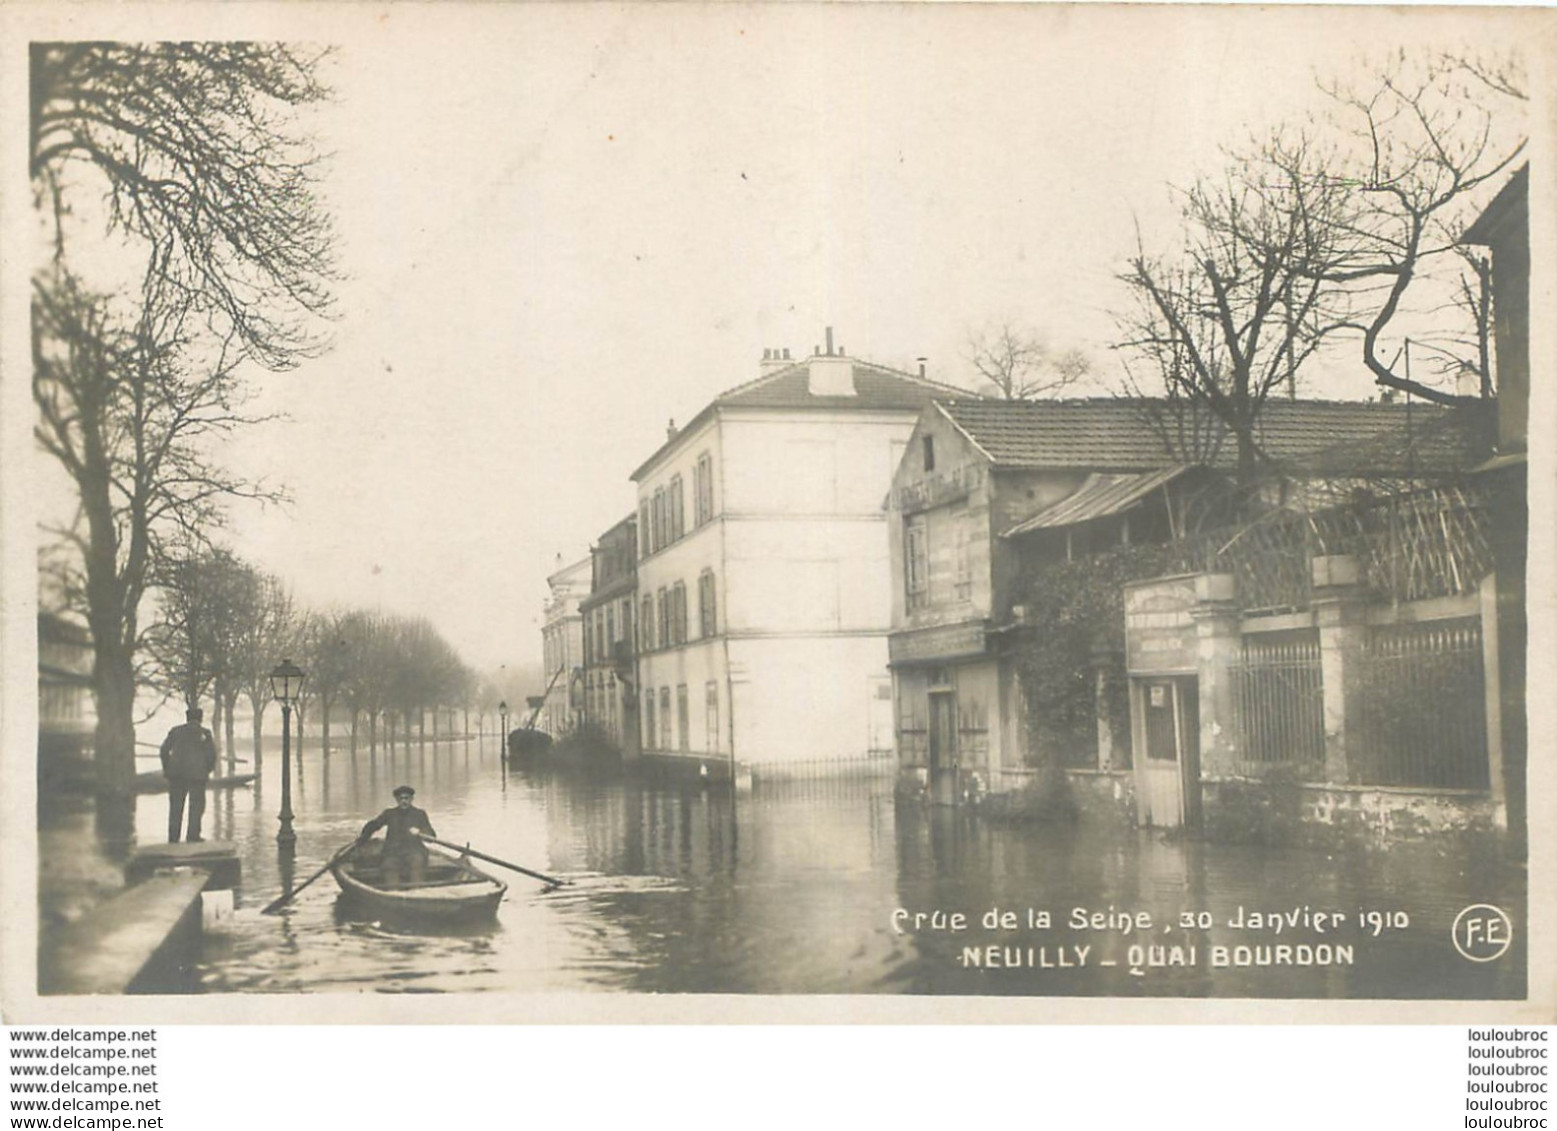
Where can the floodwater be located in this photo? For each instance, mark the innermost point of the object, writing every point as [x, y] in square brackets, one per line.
[825, 886]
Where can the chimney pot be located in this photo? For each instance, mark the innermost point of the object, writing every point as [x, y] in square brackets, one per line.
[670, 429]
[829, 341]
[921, 361]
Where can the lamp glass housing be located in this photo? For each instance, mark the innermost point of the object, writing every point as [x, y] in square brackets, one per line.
[286, 682]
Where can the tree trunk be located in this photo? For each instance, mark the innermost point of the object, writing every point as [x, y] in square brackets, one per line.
[353, 712]
[324, 728]
[298, 748]
[113, 685]
[372, 732]
[257, 726]
[229, 711]
[216, 727]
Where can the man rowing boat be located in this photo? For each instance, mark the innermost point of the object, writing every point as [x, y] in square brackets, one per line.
[405, 856]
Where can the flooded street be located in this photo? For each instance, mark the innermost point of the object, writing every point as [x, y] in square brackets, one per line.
[825, 886]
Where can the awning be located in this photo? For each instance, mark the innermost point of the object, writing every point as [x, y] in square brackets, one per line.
[1099, 496]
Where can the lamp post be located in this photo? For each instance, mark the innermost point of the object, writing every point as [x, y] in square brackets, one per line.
[502, 742]
[286, 686]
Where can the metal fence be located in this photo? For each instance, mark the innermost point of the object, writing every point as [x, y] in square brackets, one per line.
[870, 775]
[1278, 700]
[1423, 707]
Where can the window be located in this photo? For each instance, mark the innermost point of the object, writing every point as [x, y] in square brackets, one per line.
[707, 610]
[644, 549]
[711, 714]
[916, 564]
[648, 719]
[662, 626]
[665, 719]
[676, 515]
[678, 613]
[610, 627]
[683, 719]
[703, 489]
[929, 453]
[627, 619]
[658, 507]
[646, 624]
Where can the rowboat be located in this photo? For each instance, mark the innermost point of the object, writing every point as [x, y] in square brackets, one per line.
[154, 782]
[452, 889]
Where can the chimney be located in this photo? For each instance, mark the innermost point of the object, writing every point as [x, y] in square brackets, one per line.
[921, 361]
[830, 374]
[1467, 383]
[670, 429]
[773, 359]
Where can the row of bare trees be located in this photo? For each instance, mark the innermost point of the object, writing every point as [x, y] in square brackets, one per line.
[186, 251]
[224, 624]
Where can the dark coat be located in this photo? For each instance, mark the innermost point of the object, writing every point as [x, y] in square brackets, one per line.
[400, 823]
[188, 753]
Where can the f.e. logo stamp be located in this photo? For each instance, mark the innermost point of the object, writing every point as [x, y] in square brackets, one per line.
[1482, 932]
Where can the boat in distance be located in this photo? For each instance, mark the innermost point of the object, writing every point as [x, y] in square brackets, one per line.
[451, 889]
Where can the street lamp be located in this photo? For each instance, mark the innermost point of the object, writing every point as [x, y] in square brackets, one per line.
[286, 686]
[502, 714]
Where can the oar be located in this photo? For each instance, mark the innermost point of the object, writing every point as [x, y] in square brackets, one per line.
[287, 897]
[468, 851]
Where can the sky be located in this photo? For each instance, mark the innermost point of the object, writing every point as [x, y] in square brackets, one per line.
[564, 227]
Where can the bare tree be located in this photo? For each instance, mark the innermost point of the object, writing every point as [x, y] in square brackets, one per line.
[1312, 234]
[1231, 317]
[194, 149]
[130, 421]
[324, 649]
[1021, 365]
[191, 150]
[263, 639]
[1419, 139]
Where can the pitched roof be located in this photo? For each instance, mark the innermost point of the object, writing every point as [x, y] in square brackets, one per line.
[877, 387]
[1122, 435]
[1511, 201]
[1098, 496]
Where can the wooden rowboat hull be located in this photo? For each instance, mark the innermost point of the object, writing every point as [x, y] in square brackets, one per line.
[154, 782]
[469, 896]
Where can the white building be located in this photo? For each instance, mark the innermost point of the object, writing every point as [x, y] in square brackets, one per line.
[562, 648]
[763, 574]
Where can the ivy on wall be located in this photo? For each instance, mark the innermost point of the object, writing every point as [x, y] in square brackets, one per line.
[1076, 609]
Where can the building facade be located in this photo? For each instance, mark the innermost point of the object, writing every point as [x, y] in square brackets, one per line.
[1504, 229]
[763, 571]
[987, 491]
[610, 648]
[66, 713]
[562, 649]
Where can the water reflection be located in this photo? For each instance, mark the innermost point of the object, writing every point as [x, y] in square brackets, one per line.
[793, 888]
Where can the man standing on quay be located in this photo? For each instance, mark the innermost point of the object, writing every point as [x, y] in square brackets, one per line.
[188, 757]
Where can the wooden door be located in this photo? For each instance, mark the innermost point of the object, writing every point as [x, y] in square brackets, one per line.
[1168, 717]
[943, 747]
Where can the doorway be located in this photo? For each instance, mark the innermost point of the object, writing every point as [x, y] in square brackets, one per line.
[1167, 775]
[943, 747]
